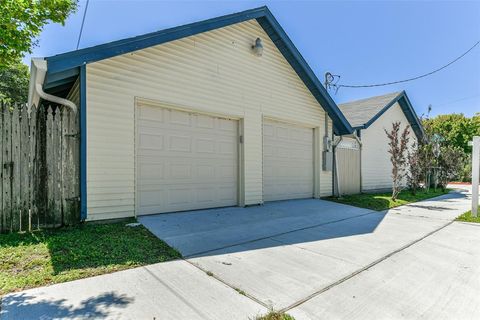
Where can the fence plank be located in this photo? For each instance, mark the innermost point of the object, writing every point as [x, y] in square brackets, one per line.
[57, 145]
[7, 158]
[16, 201]
[67, 165]
[50, 169]
[24, 166]
[65, 168]
[33, 211]
[39, 167]
[74, 164]
[42, 176]
[1, 167]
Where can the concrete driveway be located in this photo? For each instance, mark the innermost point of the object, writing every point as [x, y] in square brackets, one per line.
[312, 258]
[284, 252]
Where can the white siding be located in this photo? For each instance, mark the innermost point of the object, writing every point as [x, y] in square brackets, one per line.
[213, 72]
[376, 165]
[74, 94]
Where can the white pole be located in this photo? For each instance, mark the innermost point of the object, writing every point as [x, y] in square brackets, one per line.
[475, 174]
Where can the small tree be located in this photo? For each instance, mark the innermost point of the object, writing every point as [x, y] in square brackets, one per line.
[415, 167]
[14, 82]
[398, 145]
[451, 162]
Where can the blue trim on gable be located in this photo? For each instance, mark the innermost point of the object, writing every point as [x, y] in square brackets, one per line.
[83, 142]
[65, 61]
[301, 67]
[62, 63]
[56, 76]
[407, 109]
[411, 116]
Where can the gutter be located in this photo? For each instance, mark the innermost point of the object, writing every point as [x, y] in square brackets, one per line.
[38, 72]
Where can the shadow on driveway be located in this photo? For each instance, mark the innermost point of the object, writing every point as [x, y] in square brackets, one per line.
[16, 306]
[199, 233]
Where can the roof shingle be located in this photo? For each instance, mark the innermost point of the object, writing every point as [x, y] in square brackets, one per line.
[360, 112]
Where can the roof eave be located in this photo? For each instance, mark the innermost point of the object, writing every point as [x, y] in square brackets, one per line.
[407, 109]
[64, 63]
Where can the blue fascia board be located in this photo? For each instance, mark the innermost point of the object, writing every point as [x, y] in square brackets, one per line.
[76, 58]
[59, 83]
[407, 109]
[298, 63]
[83, 142]
[66, 61]
[54, 77]
[412, 117]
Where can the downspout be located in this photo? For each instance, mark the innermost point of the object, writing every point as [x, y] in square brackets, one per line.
[39, 66]
[361, 150]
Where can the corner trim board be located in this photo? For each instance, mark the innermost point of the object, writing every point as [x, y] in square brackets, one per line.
[83, 142]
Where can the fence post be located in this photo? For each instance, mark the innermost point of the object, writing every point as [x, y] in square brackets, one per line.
[2, 213]
[475, 174]
[67, 168]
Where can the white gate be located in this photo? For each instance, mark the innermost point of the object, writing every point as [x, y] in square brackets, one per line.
[348, 167]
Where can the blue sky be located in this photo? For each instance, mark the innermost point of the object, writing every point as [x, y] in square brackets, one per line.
[364, 42]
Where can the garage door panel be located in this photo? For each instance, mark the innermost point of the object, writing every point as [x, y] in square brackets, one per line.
[179, 118]
[287, 161]
[186, 161]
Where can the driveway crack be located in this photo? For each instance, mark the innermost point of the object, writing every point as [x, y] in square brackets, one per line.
[246, 294]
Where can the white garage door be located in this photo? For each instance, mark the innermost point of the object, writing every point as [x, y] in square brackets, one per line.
[287, 161]
[184, 161]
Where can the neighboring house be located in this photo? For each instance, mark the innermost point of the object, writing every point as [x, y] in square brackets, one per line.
[222, 112]
[370, 118]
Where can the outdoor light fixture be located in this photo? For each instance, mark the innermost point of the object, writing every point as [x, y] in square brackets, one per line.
[258, 47]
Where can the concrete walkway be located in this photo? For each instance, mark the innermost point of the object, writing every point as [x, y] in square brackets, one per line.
[437, 278]
[313, 258]
[171, 290]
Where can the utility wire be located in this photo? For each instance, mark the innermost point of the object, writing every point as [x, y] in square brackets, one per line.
[83, 22]
[457, 100]
[338, 86]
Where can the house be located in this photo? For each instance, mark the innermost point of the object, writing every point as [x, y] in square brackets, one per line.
[222, 112]
[370, 118]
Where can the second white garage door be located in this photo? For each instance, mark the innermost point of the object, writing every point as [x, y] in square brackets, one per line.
[185, 161]
[287, 161]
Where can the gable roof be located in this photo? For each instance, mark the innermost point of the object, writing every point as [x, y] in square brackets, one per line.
[362, 113]
[63, 68]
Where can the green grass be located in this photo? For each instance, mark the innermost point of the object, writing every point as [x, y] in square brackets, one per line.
[240, 291]
[467, 217]
[51, 256]
[273, 315]
[383, 201]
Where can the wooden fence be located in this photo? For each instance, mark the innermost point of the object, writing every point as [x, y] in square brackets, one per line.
[39, 166]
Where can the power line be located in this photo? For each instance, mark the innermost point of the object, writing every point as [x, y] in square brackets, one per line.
[457, 100]
[338, 86]
[83, 22]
